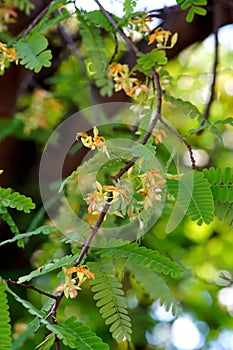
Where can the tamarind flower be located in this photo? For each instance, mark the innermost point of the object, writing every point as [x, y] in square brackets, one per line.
[162, 36]
[96, 200]
[93, 142]
[82, 273]
[152, 183]
[158, 135]
[7, 55]
[118, 69]
[69, 287]
[141, 22]
[137, 89]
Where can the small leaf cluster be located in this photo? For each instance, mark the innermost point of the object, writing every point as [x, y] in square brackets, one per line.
[32, 52]
[194, 6]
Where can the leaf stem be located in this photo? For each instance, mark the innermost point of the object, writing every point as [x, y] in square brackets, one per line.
[36, 20]
[29, 286]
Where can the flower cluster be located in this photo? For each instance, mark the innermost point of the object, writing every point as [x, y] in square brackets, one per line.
[124, 80]
[93, 142]
[158, 135]
[7, 55]
[152, 183]
[72, 283]
[97, 199]
[139, 23]
[162, 37]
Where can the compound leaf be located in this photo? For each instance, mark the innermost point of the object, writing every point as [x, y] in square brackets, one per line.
[31, 52]
[110, 299]
[5, 328]
[146, 257]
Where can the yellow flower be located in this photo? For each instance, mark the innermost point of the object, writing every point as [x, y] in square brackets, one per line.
[152, 183]
[162, 36]
[158, 135]
[141, 22]
[93, 142]
[69, 287]
[82, 273]
[96, 200]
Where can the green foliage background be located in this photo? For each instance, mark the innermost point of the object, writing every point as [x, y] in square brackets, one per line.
[184, 270]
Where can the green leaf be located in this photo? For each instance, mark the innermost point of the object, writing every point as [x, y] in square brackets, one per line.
[24, 5]
[47, 343]
[156, 287]
[110, 299]
[18, 342]
[186, 107]
[190, 15]
[11, 199]
[201, 206]
[97, 17]
[31, 308]
[76, 335]
[96, 58]
[151, 59]
[224, 212]
[199, 10]
[221, 181]
[128, 7]
[199, 2]
[56, 264]
[5, 328]
[186, 4]
[45, 230]
[146, 257]
[30, 52]
[6, 216]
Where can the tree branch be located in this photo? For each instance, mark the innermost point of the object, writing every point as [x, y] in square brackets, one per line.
[29, 286]
[35, 20]
[118, 29]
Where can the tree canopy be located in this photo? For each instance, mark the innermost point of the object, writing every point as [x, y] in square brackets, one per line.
[116, 182]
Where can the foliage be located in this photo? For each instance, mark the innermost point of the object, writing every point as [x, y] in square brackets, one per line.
[96, 60]
[31, 52]
[199, 195]
[77, 336]
[194, 6]
[109, 295]
[5, 333]
[145, 257]
[133, 180]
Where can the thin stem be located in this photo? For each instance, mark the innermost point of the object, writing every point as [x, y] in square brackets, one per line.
[212, 92]
[29, 286]
[93, 232]
[206, 114]
[115, 26]
[187, 145]
[36, 20]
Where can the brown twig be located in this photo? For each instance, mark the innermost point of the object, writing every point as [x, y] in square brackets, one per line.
[29, 286]
[187, 145]
[118, 29]
[36, 20]
[206, 114]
